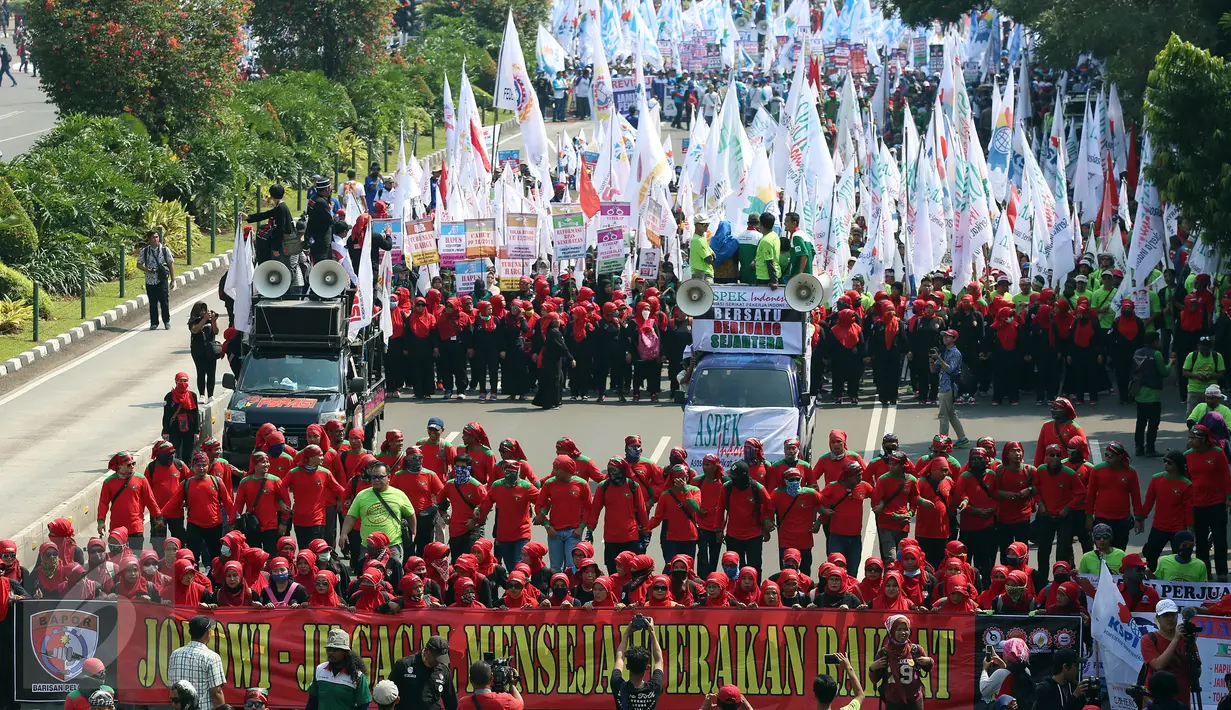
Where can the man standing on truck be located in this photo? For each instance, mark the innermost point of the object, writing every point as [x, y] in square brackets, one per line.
[767, 272]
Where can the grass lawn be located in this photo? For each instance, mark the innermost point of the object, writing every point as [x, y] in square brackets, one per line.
[66, 313]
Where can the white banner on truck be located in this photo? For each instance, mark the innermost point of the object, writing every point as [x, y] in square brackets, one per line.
[723, 431]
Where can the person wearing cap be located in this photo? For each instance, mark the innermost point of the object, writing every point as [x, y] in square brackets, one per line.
[637, 692]
[256, 699]
[165, 473]
[1102, 300]
[1104, 551]
[93, 679]
[314, 488]
[100, 700]
[1174, 493]
[340, 682]
[748, 240]
[728, 697]
[319, 230]
[700, 255]
[484, 697]
[195, 663]
[381, 508]
[1183, 566]
[767, 270]
[423, 680]
[260, 500]
[1167, 649]
[1138, 595]
[385, 694]
[1204, 368]
[437, 453]
[206, 503]
[126, 497]
[1215, 401]
[948, 364]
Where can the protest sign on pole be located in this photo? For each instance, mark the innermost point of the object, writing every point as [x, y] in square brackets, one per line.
[570, 236]
[610, 257]
[392, 230]
[480, 238]
[452, 243]
[421, 242]
[647, 265]
[520, 231]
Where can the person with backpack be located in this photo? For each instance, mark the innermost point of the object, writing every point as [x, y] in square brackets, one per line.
[181, 418]
[645, 349]
[747, 514]
[164, 474]
[1126, 337]
[206, 504]
[1146, 386]
[259, 501]
[624, 500]
[6, 61]
[126, 497]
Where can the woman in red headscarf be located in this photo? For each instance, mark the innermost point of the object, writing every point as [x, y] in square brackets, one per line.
[152, 571]
[181, 420]
[396, 365]
[514, 329]
[1083, 354]
[746, 588]
[323, 594]
[873, 578]
[232, 591]
[534, 554]
[1004, 356]
[455, 333]
[78, 586]
[1126, 336]
[414, 593]
[60, 531]
[49, 580]
[254, 569]
[1000, 573]
[1014, 599]
[1191, 324]
[577, 335]
[519, 593]
[958, 598]
[188, 591]
[604, 594]
[1043, 353]
[552, 361]
[418, 346]
[371, 595]
[886, 344]
[716, 594]
[487, 343]
[645, 347]
[925, 328]
[464, 594]
[891, 597]
[845, 352]
[305, 568]
[9, 566]
[483, 551]
[969, 320]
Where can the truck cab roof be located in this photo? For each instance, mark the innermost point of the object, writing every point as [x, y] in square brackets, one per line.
[748, 361]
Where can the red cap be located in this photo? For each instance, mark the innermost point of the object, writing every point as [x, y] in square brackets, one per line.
[1133, 560]
[951, 333]
[93, 666]
[331, 425]
[1117, 273]
[729, 694]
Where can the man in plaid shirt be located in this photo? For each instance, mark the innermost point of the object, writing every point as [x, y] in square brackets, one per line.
[197, 664]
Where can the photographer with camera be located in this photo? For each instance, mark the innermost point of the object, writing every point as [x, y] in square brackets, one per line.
[1172, 649]
[825, 686]
[638, 692]
[1061, 691]
[490, 679]
[158, 263]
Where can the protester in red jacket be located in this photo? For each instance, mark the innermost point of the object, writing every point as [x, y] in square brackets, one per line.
[273, 500]
[677, 510]
[842, 504]
[747, 516]
[1114, 495]
[313, 488]
[977, 505]
[936, 487]
[624, 500]
[126, 497]
[209, 508]
[1059, 491]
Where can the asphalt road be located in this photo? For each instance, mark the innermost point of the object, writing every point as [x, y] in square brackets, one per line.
[25, 114]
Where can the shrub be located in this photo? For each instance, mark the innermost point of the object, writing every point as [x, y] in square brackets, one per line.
[168, 218]
[14, 286]
[164, 62]
[449, 43]
[13, 316]
[309, 109]
[341, 38]
[18, 238]
[386, 99]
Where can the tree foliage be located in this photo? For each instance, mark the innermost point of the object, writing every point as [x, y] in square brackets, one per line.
[916, 13]
[341, 38]
[1125, 35]
[1188, 116]
[387, 99]
[303, 109]
[163, 61]
[447, 45]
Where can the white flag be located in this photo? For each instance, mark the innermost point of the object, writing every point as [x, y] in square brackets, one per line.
[361, 305]
[239, 281]
[516, 93]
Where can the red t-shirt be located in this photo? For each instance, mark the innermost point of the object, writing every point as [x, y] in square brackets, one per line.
[313, 491]
[795, 516]
[828, 468]
[977, 496]
[488, 701]
[933, 523]
[847, 518]
[1175, 502]
[1113, 493]
[462, 503]
[512, 503]
[567, 499]
[746, 510]
[1056, 491]
[422, 488]
[1210, 475]
[1015, 511]
[1152, 646]
[899, 496]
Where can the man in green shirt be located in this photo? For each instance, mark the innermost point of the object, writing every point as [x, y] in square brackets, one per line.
[1103, 550]
[700, 255]
[1150, 369]
[802, 250]
[1021, 299]
[749, 239]
[1203, 367]
[767, 253]
[381, 508]
[1214, 399]
[1182, 566]
[339, 683]
[1101, 301]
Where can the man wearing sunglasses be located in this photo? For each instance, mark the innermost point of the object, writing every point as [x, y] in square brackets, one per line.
[1103, 550]
[255, 699]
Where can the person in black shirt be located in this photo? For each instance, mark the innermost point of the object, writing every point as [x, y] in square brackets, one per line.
[638, 692]
[319, 232]
[1061, 691]
[274, 241]
[203, 326]
[423, 679]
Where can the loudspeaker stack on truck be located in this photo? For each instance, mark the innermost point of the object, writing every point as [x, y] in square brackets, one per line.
[301, 366]
[750, 362]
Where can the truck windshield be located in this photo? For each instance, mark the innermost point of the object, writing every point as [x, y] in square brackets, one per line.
[290, 374]
[723, 387]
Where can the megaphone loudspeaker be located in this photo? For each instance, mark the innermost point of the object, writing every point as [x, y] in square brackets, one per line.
[695, 297]
[763, 27]
[328, 279]
[272, 279]
[805, 292]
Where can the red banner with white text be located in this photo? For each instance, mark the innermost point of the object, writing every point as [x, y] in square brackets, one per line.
[562, 656]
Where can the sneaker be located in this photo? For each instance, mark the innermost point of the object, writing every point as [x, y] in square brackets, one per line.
[394, 394]
[837, 400]
[448, 394]
[995, 403]
[585, 398]
[155, 327]
[1152, 454]
[573, 398]
[855, 401]
[600, 398]
[1014, 403]
[623, 398]
[461, 395]
[970, 399]
[636, 397]
[962, 443]
[653, 398]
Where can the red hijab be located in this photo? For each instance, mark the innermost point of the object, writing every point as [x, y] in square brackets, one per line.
[960, 585]
[1127, 324]
[1192, 315]
[901, 602]
[995, 589]
[240, 596]
[847, 329]
[912, 587]
[486, 556]
[869, 590]
[13, 571]
[407, 586]
[1083, 325]
[1005, 326]
[61, 533]
[254, 569]
[892, 323]
[181, 395]
[56, 583]
[609, 586]
[305, 580]
[328, 600]
[186, 594]
[422, 320]
[130, 590]
[724, 599]
[741, 595]
[160, 581]
[765, 587]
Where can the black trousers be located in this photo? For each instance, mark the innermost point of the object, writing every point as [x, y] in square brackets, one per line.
[425, 530]
[673, 371]
[649, 371]
[579, 377]
[207, 367]
[1211, 521]
[1005, 376]
[160, 298]
[847, 371]
[616, 368]
[1155, 543]
[671, 548]
[1119, 530]
[395, 367]
[418, 368]
[1046, 377]
[1079, 375]
[1053, 529]
[486, 371]
[982, 547]
[750, 551]
[933, 550]
[185, 443]
[204, 542]
[462, 544]
[452, 366]
[1009, 533]
[1078, 520]
[612, 549]
[1148, 416]
[175, 526]
[709, 551]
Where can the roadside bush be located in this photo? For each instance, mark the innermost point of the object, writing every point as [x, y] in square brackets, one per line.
[14, 286]
[308, 109]
[449, 43]
[168, 218]
[14, 315]
[388, 98]
[18, 238]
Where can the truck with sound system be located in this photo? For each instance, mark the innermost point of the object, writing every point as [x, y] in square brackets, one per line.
[302, 367]
[749, 367]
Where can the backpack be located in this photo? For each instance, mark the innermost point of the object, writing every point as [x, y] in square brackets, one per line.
[1134, 380]
[648, 344]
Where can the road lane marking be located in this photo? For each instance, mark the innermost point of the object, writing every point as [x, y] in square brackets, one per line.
[1096, 452]
[449, 438]
[10, 114]
[25, 135]
[662, 446]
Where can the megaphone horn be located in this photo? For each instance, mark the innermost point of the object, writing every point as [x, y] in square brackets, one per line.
[328, 279]
[763, 27]
[804, 292]
[695, 297]
[741, 23]
[272, 279]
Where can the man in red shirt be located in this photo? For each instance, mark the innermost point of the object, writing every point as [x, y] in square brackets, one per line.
[281, 456]
[894, 499]
[513, 497]
[709, 522]
[977, 505]
[463, 495]
[747, 515]
[164, 474]
[754, 456]
[932, 519]
[643, 470]
[437, 453]
[1113, 495]
[331, 460]
[127, 497]
[586, 467]
[423, 487]
[566, 496]
[1173, 493]
[830, 467]
[677, 510]
[1059, 430]
[1014, 498]
[1079, 461]
[1168, 649]
[842, 503]
[1138, 595]
[209, 507]
[219, 466]
[263, 495]
[1211, 477]
[624, 500]
[313, 488]
[482, 459]
[352, 454]
[790, 459]
[1060, 491]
